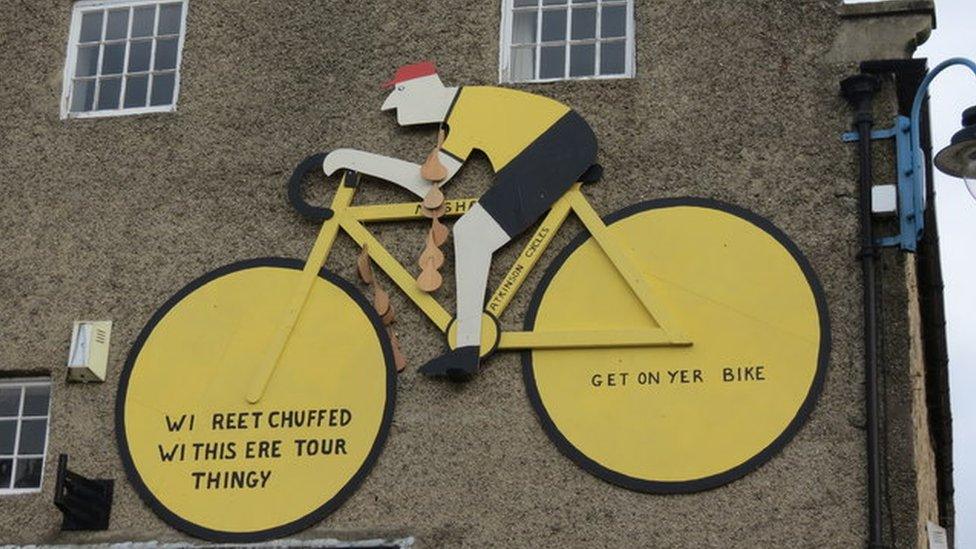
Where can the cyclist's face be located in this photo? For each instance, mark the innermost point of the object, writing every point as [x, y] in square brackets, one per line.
[402, 99]
[416, 101]
[394, 100]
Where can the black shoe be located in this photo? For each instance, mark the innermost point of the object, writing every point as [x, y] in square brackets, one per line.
[459, 365]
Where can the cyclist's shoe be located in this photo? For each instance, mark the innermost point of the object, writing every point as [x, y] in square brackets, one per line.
[459, 365]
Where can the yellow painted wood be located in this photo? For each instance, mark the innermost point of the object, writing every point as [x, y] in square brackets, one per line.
[586, 339]
[718, 403]
[489, 334]
[400, 276]
[407, 211]
[519, 271]
[474, 122]
[623, 261]
[187, 384]
[267, 360]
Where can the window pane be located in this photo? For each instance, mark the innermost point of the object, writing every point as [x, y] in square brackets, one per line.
[584, 23]
[91, 27]
[143, 20]
[9, 401]
[36, 399]
[169, 18]
[162, 89]
[108, 93]
[135, 91]
[8, 431]
[6, 472]
[32, 433]
[553, 25]
[112, 58]
[117, 25]
[551, 2]
[582, 60]
[165, 54]
[523, 27]
[612, 57]
[139, 53]
[614, 21]
[523, 64]
[28, 473]
[553, 62]
[522, 3]
[86, 63]
[83, 95]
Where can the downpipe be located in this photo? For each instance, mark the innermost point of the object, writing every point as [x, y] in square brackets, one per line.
[859, 91]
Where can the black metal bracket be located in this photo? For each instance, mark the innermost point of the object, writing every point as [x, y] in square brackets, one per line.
[85, 503]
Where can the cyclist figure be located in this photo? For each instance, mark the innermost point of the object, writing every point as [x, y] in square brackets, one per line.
[538, 149]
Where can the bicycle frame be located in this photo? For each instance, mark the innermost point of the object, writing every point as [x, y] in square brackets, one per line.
[350, 219]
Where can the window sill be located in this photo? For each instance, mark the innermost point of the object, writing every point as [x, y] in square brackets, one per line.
[118, 112]
[19, 491]
[570, 79]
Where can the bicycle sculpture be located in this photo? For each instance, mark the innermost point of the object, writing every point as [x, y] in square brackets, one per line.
[673, 347]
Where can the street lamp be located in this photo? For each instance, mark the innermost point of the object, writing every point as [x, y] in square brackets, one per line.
[959, 158]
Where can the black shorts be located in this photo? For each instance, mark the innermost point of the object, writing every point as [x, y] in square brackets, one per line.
[530, 184]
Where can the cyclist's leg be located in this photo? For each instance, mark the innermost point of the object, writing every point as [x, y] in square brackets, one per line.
[522, 193]
[476, 237]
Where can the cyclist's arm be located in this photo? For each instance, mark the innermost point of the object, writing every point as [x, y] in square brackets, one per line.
[400, 172]
[451, 163]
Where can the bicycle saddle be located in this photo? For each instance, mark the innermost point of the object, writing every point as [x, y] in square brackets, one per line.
[592, 174]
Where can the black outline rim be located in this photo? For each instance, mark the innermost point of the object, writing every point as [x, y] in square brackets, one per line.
[325, 509]
[719, 479]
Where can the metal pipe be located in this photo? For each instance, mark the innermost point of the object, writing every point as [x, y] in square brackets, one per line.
[859, 91]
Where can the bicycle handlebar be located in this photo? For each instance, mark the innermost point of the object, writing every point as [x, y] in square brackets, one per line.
[295, 198]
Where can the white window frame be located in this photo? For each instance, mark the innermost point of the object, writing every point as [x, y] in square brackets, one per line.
[505, 45]
[23, 383]
[74, 33]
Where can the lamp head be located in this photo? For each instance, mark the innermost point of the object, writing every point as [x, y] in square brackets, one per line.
[959, 158]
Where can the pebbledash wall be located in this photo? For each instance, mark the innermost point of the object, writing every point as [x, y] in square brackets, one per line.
[105, 218]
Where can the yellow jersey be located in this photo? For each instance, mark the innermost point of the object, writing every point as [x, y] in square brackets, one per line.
[499, 122]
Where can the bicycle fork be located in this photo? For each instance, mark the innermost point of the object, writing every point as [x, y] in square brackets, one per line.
[267, 361]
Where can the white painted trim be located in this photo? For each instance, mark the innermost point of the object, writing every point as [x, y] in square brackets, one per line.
[74, 30]
[630, 63]
[402, 543]
[22, 384]
[504, 51]
[505, 43]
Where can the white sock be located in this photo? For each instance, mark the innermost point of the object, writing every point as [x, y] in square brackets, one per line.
[476, 237]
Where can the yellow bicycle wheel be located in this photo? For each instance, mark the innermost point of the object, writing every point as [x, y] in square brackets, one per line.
[681, 419]
[213, 465]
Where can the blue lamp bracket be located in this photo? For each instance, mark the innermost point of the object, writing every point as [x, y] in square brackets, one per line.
[911, 162]
[911, 197]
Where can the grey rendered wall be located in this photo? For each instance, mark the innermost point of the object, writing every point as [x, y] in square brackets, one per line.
[107, 218]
